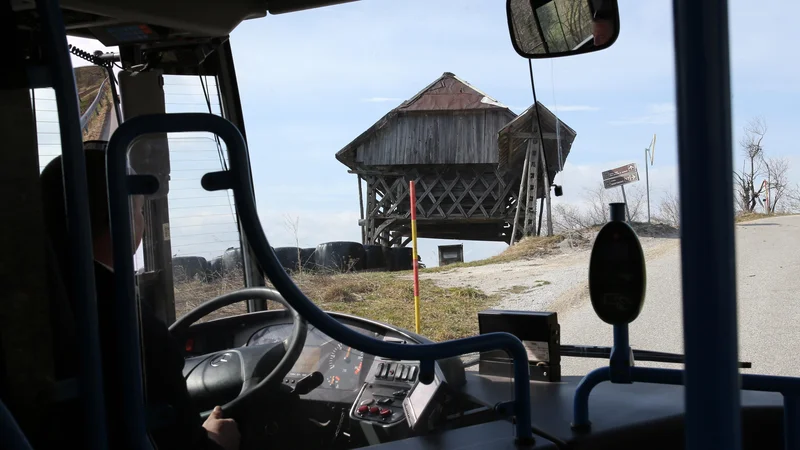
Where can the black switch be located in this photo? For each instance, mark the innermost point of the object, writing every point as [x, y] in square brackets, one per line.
[308, 383]
[381, 372]
[386, 401]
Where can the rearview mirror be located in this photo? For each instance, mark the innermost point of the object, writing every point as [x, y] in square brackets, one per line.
[553, 28]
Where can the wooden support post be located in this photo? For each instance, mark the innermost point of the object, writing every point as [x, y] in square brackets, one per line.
[546, 192]
[533, 183]
[370, 214]
[361, 209]
[522, 183]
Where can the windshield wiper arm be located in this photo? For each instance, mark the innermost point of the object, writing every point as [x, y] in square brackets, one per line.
[591, 351]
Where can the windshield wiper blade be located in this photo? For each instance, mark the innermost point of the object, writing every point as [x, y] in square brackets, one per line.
[591, 351]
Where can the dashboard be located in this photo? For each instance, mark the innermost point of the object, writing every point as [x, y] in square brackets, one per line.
[344, 369]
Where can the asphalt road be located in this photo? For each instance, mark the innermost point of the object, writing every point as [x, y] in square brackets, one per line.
[768, 275]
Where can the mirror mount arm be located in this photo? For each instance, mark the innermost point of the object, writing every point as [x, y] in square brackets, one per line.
[621, 360]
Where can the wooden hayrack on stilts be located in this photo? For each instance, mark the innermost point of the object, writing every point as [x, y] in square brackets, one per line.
[449, 139]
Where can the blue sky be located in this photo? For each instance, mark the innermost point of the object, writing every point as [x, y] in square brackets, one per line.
[312, 81]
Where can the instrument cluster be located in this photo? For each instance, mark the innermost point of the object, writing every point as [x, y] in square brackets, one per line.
[343, 368]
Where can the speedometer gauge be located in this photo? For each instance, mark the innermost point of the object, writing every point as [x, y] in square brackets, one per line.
[344, 367]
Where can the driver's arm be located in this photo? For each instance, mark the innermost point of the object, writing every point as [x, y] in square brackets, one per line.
[164, 380]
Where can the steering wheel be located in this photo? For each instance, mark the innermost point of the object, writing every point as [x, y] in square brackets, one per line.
[251, 370]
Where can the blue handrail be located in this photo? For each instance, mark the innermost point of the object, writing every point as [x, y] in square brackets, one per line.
[82, 287]
[120, 185]
[789, 387]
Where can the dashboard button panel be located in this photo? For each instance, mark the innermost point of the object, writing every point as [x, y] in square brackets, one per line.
[387, 384]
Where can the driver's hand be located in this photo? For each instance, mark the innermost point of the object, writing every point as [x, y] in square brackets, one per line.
[224, 432]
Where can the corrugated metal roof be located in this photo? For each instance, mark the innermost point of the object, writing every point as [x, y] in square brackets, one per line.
[446, 93]
[450, 93]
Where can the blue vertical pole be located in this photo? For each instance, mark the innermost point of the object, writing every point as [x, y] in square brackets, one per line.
[791, 419]
[90, 380]
[707, 244]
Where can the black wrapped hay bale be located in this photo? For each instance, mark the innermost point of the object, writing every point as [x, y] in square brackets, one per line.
[186, 268]
[289, 257]
[401, 258]
[232, 260]
[341, 256]
[376, 257]
[215, 269]
[308, 258]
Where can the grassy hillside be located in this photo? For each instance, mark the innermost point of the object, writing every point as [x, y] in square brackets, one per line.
[88, 80]
[447, 313]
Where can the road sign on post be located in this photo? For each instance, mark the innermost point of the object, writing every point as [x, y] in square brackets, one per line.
[620, 177]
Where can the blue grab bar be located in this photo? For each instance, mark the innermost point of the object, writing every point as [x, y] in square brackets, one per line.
[789, 387]
[238, 179]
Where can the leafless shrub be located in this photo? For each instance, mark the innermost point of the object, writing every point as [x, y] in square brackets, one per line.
[669, 209]
[777, 180]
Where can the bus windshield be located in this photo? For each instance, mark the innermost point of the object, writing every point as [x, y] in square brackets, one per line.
[345, 106]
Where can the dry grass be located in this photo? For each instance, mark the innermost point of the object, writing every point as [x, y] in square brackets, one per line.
[751, 216]
[527, 248]
[447, 313]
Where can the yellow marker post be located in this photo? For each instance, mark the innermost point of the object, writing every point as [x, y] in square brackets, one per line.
[413, 194]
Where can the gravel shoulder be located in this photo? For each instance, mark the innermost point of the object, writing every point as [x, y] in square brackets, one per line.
[555, 282]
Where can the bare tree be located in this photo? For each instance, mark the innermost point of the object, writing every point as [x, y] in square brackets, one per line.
[753, 166]
[568, 217]
[792, 202]
[596, 200]
[637, 202]
[669, 210]
[595, 209]
[777, 180]
[292, 225]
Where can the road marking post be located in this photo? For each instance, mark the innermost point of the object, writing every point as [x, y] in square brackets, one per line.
[413, 194]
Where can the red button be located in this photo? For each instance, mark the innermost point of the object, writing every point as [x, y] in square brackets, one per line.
[363, 409]
[374, 410]
[386, 412]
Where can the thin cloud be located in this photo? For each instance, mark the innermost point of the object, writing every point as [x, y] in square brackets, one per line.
[381, 99]
[657, 114]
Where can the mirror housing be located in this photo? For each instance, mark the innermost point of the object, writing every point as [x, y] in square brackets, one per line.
[617, 273]
[552, 28]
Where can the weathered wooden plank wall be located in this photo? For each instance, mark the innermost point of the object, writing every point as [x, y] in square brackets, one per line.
[436, 138]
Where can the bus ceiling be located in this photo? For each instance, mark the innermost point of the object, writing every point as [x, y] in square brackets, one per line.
[119, 22]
